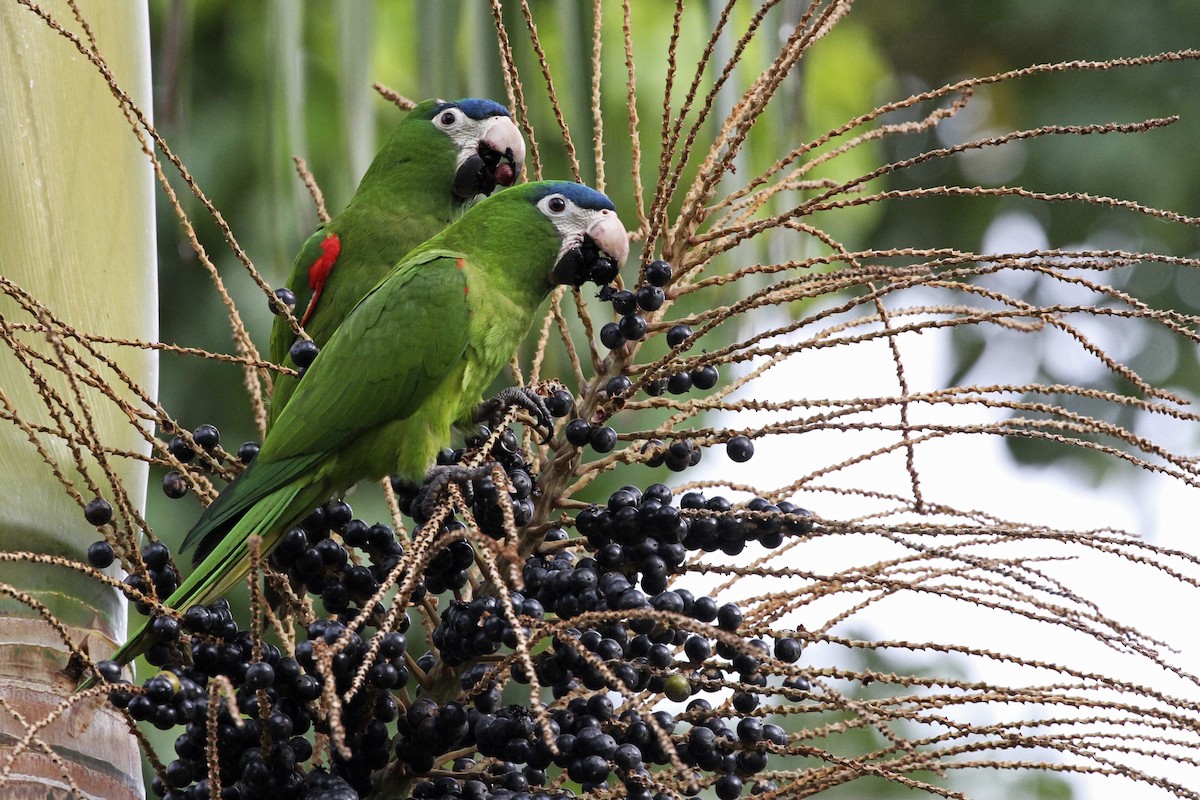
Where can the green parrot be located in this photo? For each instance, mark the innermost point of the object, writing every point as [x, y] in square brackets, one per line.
[409, 363]
[439, 158]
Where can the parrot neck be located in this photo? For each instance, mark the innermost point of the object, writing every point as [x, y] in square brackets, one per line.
[518, 258]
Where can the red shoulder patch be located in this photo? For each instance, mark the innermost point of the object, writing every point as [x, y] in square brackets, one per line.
[318, 272]
[466, 288]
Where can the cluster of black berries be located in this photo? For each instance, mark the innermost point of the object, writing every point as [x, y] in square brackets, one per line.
[581, 433]
[486, 505]
[480, 627]
[505, 782]
[652, 639]
[160, 573]
[315, 561]
[594, 745]
[649, 297]
[632, 327]
[585, 263]
[174, 484]
[484, 495]
[259, 750]
[703, 377]
[730, 530]
[639, 532]
[261, 753]
[643, 532]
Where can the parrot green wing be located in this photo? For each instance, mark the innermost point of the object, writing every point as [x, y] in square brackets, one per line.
[388, 358]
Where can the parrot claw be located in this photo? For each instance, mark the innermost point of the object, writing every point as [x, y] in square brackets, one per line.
[436, 481]
[493, 410]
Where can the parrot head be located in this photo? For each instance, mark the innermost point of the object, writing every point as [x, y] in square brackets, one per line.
[490, 149]
[594, 242]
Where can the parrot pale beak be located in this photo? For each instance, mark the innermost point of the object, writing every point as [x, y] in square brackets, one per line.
[497, 160]
[598, 256]
[609, 235]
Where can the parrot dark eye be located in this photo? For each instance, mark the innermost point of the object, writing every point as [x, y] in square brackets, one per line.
[556, 204]
[448, 118]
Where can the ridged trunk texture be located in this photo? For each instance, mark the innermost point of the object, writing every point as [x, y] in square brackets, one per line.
[76, 233]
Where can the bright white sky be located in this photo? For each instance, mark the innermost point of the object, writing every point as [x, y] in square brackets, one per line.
[975, 472]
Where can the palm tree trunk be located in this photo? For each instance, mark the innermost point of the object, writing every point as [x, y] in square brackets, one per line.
[76, 233]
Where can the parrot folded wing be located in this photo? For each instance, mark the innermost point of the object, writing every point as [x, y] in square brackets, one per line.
[388, 359]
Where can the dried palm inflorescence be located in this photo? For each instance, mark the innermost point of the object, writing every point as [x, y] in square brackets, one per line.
[714, 346]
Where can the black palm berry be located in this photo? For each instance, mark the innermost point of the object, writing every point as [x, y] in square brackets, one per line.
[604, 271]
[560, 402]
[207, 436]
[705, 377]
[355, 533]
[260, 675]
[680, 454]
[624, 302]
[750, 730]
[800, 521]
[381, 537]
[729, 787]
[744, 664]
[109, 670]
[697, 648]
[676, 335]
[603, 439]
[179, 773]
[657, 450]
[656, 387]
[650, 298]
[787, 650]
[744, 702]
[197, 619]
[739, 448]
[704, 609]
[632, 327]
[247, 452]
[338, 514]
[174, 485]
[729, 617]
[100, 554]
[658, 273]
[611, 336]
[98, 511]
[578, 432]
[179, 448]
[165, 629]
[155, 555]
[286, 296]
[617, 385]
[303, 352]
[679, 383]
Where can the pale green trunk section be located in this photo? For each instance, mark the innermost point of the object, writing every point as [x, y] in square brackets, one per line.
[77, 233]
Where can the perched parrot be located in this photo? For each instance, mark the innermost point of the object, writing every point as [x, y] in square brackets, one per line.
[441, 156]
[410, 362]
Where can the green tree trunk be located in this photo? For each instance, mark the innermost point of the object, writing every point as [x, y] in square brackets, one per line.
[76, 233]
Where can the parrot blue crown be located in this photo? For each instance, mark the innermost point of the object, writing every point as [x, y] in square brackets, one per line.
[475, 108]
[577, 193]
